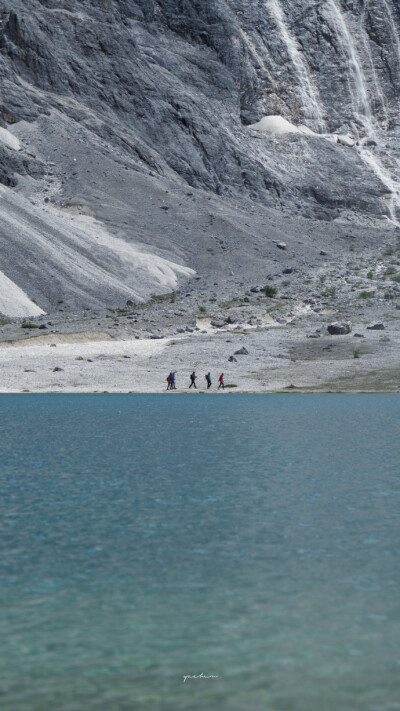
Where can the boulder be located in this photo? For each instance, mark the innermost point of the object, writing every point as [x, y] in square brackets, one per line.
[346, 141]
[376, 327]
[218, 324]
[232, 359]
[242, 351]
[339, 329]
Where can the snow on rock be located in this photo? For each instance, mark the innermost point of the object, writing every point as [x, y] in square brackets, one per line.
[14, 301]
[279, 126]
[75, 258]
[9, 139]
[161, 271]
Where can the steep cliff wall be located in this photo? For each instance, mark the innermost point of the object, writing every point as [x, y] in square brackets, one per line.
[169, 90]
[183, 79]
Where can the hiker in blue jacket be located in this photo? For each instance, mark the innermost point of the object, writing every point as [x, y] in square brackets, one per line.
[193, 377]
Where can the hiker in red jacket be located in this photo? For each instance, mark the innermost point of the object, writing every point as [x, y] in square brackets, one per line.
[221, 382]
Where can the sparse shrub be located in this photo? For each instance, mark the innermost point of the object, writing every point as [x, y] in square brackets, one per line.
[365, 294]
[397, 278]
[322, 278]
[269, 291]
[231, 385]
[173, 297]
[391, 270]
[356, 353]
[29, 325]
[202, 309]
[286, 282]
[330, 291]
[370, 275]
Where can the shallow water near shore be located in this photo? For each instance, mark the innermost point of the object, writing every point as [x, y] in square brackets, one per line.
[251, 538]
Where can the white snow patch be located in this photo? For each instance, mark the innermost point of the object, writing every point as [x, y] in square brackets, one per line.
[162, 270]
[279, 126]
[9, 139]
[83, 251]
[14, 301]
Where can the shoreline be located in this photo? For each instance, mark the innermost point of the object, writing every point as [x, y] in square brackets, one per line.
[278, 360]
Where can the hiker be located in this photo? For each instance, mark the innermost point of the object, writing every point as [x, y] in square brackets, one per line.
[172, 377]
[169, 385]
[221, 382]
[193, 380]
[208, 379]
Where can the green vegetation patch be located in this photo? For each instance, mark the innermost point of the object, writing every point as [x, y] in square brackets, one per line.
[330, 291]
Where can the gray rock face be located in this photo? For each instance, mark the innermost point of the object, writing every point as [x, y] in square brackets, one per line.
[116, 100]
[176, 89]
[339, 329]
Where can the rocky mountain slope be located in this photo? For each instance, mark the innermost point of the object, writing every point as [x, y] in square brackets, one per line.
[134, 154]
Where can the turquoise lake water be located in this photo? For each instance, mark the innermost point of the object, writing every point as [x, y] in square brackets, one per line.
[254, 539]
